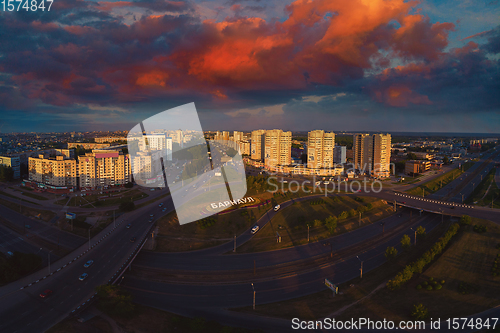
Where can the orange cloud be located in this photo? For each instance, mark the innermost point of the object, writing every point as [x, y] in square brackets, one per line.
[400, 96]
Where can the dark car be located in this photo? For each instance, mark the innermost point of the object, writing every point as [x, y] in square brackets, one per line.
[133, 239]
[128, 226]
[46, 293]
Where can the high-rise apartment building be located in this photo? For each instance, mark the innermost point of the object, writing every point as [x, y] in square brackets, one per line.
[55, 171]
[278, 148]
[258, 140]
[145, 168]
[225, 135]
[244, 147]
[320, 149]
[178, 137]
[237, 136]
[103, 168]
[372, 153]
[155, 142]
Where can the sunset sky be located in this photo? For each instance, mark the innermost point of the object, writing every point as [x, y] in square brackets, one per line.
[350, 65]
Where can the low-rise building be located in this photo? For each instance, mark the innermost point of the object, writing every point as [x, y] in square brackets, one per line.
[414, 167]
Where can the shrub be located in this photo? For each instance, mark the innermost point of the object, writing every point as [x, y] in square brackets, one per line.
[429, 287]
[465, 220]
[419, 311]
[480, 228]
[442, 281]
[419, 287]
[438, 287]
[369, 206]
[431, 279]
[391, 253]
[343, 215]
[425, 283]
[352, 213]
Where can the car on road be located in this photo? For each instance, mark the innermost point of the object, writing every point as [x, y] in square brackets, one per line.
[10, 253]
[161, 204]
[151, 215]
[276, 208]
[83, 276]
[150, 220]
[164, 209]
[46, 293]
[88, 263]
[27, 226]
[255, 229]
[128, 226]
[133, 239]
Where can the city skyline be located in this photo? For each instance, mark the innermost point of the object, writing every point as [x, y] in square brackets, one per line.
[429, 66]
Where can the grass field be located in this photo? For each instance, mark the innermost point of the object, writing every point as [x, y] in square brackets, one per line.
[44, 215]
[291, 223]
[486, 199]
[468, 260]
[145, 320]
[435, 184]
[103, 200]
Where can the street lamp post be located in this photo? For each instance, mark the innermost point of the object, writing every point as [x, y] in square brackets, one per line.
[383, 226]
[415, 231]
[361, 268]
[308, 232]
[48, 255]
[253, 288]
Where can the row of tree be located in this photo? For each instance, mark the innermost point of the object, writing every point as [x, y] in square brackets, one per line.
[416, 267]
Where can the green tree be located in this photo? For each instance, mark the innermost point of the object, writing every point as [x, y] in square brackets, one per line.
[419, 311]
[331, 223]
[446, 160]
[390, 253]
[421, 232]
[406, 242]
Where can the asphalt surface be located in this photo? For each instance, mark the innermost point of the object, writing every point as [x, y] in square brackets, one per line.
[42, 229]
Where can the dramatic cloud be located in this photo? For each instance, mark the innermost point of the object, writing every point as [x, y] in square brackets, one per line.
[125, 54]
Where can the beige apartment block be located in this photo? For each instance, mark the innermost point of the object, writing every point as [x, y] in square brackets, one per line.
[320, 149]
[54, 171]
[258, 141]
[372, 153]
[103, 168]
[278, 148]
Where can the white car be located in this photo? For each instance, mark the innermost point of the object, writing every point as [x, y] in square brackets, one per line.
[276, 208]
[255, 229]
